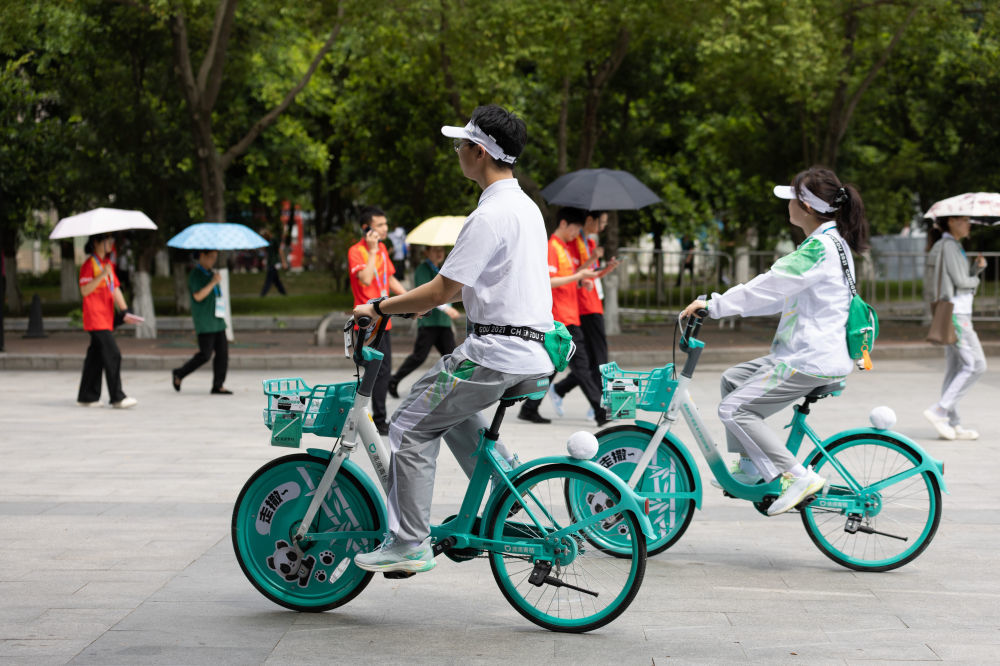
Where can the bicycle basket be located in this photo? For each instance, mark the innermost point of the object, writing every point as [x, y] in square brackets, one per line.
[626, 391]
[321, 409]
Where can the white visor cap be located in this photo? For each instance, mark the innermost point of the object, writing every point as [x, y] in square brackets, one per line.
[817, 204]
[476, 135]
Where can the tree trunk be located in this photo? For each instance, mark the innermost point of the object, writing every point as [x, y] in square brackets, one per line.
[612, 318]
[14, 302]
[181, 301]
[69, 281]
[562, 164]
[597, 81]
[142, 300]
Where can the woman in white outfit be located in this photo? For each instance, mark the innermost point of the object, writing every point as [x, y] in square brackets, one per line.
[965, 363]
[810, 291]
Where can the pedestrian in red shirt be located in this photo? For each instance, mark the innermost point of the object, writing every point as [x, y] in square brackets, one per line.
[101, 292]
[374, 276]
[586, 251]
[565, 277]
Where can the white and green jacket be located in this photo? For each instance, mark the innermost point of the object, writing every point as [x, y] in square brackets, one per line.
[810, 291]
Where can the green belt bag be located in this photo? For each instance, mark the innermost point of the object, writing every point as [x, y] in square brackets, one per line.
[558, 342]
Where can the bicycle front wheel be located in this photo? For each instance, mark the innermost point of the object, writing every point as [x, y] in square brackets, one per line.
[268, 512]
[619, 448]
[899, 520]
[585, 588]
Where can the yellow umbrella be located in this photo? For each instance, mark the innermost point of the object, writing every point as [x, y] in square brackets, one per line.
[435, 231]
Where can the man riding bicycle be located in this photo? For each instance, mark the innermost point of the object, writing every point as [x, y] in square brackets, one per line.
[499, 264]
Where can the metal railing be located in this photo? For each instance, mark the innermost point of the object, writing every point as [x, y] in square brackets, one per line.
[650, 283]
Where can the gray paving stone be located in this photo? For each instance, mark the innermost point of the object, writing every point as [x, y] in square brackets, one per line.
[116, 549]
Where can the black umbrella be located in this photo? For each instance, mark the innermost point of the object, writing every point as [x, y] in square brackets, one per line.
[599, 189]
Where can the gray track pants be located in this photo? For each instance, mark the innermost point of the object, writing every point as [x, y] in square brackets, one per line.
[445, 402]
[751, 392]
[965, 363]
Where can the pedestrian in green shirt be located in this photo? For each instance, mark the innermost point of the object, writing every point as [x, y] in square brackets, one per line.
[208, 312]
[434, 329]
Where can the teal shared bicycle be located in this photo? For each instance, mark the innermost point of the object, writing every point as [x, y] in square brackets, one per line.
[879, 510]
[300, 519]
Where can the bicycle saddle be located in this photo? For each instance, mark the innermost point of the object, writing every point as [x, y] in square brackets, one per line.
[534, 389]
[827, 390]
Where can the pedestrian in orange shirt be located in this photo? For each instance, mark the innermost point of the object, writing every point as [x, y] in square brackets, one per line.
[373, 276]
[565, 277]
[589, 298]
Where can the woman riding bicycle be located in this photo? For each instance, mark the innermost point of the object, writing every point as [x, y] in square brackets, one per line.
[808, 287]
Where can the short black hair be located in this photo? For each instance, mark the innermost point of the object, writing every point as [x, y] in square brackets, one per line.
[368, 212]
[572, 215]
[504, 127]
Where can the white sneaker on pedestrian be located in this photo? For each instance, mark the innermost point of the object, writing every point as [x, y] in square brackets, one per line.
[557, 400]
[940, 424]
[395, 556]
[125, 403]
[797, 490]
[965, 433]
[95, 403]
[590, 414]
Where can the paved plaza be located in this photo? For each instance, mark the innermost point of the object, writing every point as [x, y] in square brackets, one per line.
[115, 547]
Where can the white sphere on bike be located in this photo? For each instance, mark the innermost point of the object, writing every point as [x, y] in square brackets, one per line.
[582, 445]
[882, 417]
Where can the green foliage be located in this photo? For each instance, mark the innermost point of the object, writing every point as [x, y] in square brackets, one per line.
[709, 102]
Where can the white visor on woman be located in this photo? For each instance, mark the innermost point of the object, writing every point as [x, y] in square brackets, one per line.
[473, 133]
[817, 204]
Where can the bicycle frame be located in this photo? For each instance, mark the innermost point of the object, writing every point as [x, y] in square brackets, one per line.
[682, 403]
[460, 530]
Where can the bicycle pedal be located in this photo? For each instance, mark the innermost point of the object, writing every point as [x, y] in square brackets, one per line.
[806, 502]
[443, 545]
[396, 575]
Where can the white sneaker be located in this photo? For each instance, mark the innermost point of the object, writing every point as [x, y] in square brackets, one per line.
[796, 491]
[739, 475]
[557, 400]
[965, 433]
[940, 424]
[395, 556]
[95, 403]
[590, 414]
[125, 403]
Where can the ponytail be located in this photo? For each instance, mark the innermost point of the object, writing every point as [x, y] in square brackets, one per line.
[849, 208]
[851, 221]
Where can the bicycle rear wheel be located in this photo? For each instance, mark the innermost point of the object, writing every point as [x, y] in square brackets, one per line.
[600, 586]
[618, 450]
[900, 520]
[268, 512]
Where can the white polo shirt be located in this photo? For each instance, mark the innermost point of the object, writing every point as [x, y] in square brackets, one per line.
[501, 259]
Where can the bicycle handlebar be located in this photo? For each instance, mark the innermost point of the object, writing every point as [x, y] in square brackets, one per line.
[693, 327]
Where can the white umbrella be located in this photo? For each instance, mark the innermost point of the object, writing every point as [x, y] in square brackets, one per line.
[437, 231]
[217, 236]
[971, 204]
[101, 221]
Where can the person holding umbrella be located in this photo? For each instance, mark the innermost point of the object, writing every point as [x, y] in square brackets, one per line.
[948, 266]
[101, 293]
[208, 311]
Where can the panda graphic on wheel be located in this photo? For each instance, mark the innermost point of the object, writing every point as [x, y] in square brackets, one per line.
[286, 563]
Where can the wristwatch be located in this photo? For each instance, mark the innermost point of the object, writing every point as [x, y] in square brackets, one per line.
[377, 309]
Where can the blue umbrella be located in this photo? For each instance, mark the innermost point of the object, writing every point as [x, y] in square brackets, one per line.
[217, 236]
